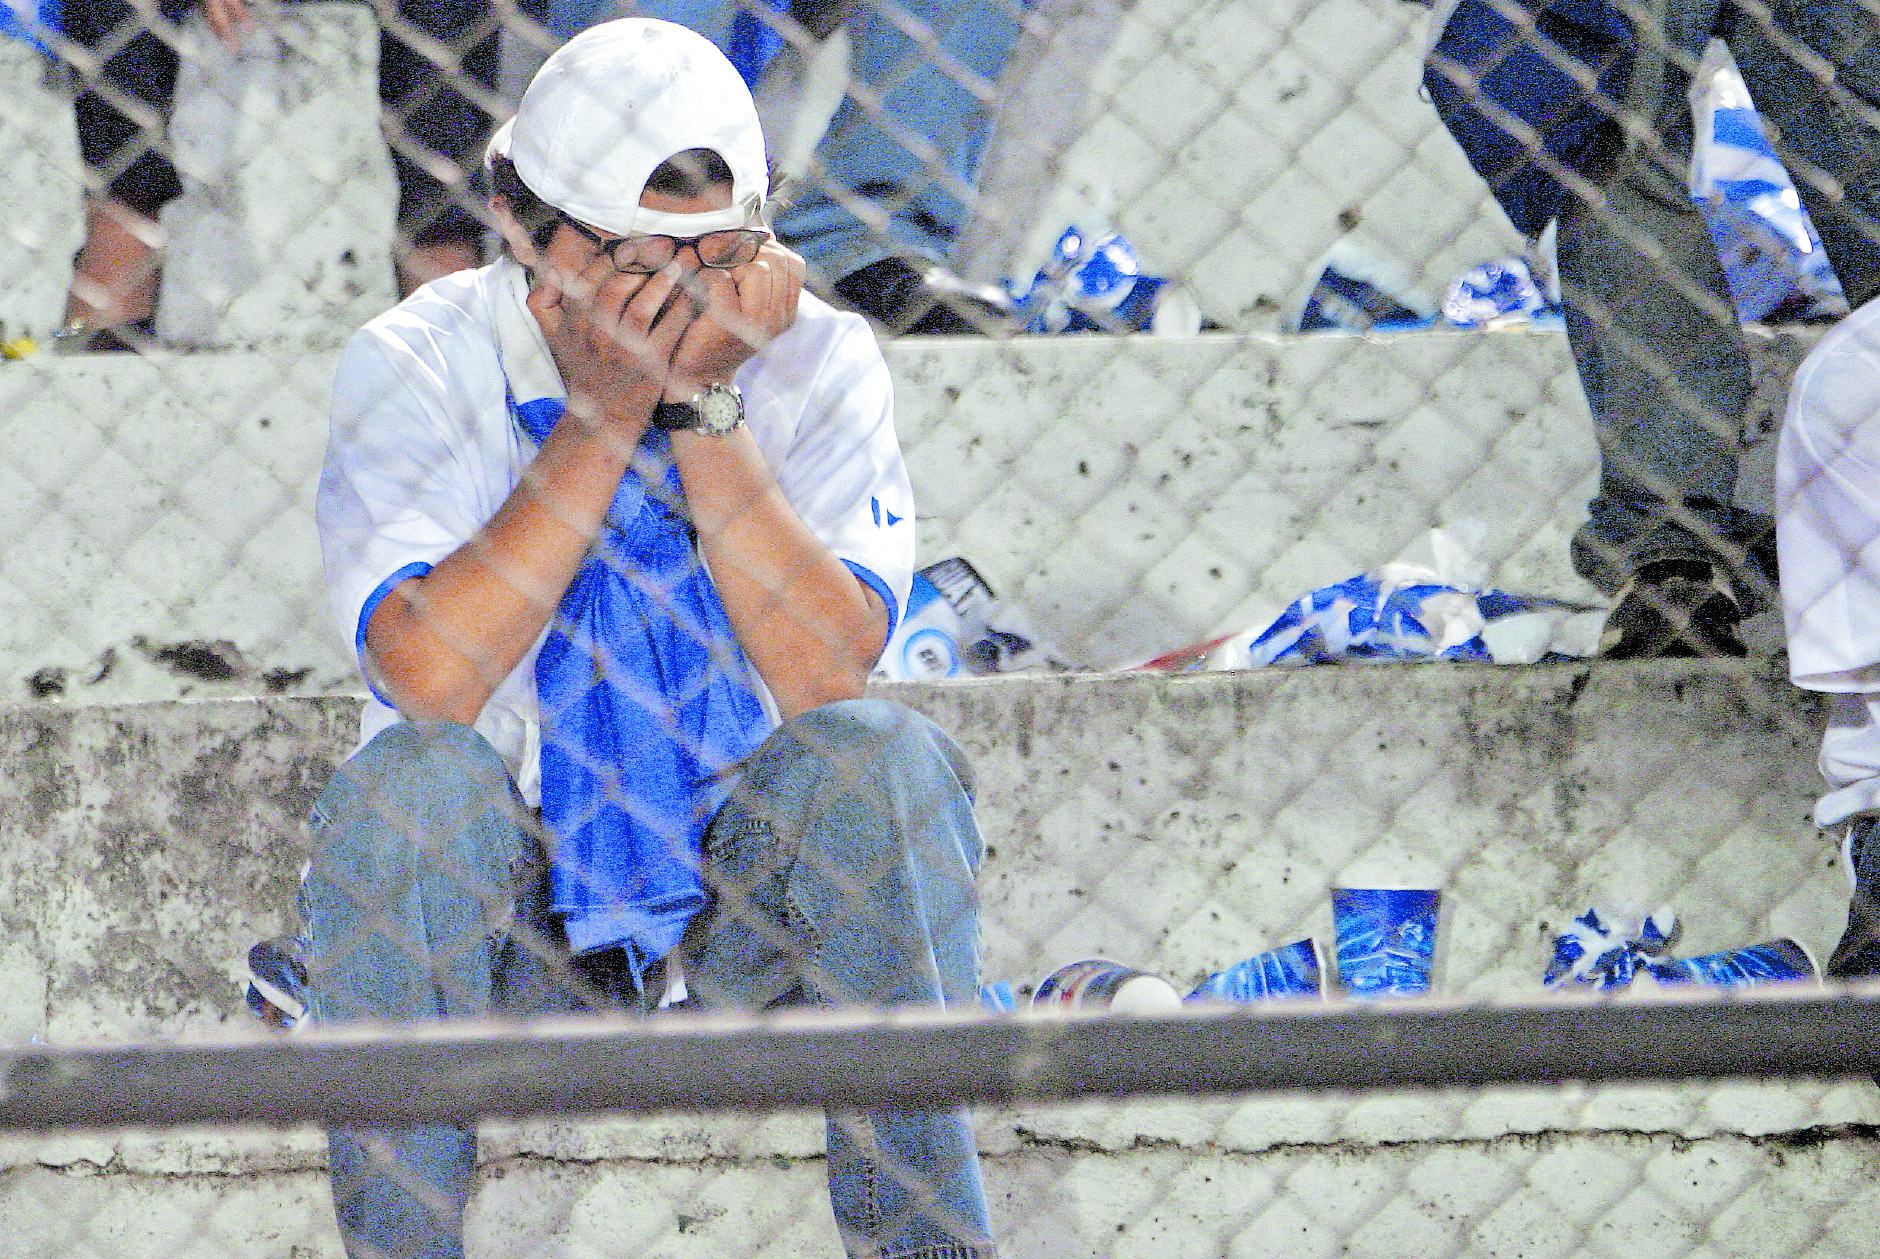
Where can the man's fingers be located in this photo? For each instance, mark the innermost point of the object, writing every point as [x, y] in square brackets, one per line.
[726, 303]
[546, 303]
[777, 283]
[611, 306]
[657, 311]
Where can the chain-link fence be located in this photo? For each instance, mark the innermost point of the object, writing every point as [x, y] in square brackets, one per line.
[1462, 343]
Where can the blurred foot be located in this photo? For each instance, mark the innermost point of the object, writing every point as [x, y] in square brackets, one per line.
[1857, 956]
[277, 989]
[113, 302]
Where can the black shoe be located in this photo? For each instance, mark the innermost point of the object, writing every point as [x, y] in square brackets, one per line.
[79, 337]
[924, 303]
[277, 990]
[1683, 608]
[1857, 956]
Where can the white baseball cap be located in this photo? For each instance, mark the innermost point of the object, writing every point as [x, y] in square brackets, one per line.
[616, 101]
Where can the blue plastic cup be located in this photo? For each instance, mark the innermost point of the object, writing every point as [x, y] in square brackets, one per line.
[1780, 961]
[1386, 940]
[1292, 971]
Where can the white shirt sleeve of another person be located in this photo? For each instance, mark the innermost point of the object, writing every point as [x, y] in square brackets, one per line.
[842, 470]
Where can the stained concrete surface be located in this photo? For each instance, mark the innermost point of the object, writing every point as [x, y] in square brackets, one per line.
[1181, 824]
[1132, 495]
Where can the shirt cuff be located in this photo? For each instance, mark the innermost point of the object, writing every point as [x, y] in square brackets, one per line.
[370, 606]
[880, 587]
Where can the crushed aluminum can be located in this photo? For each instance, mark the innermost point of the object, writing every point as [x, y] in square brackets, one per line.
[954, 626]
[1098, 983]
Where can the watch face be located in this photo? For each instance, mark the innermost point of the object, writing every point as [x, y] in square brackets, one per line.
[720, 410]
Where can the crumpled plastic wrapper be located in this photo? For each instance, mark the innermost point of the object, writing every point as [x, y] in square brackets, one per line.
[1606, 951]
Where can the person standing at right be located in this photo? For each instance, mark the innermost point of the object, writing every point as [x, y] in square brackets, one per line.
[1656, 340]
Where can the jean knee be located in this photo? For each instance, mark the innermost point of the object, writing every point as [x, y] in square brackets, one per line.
[422, 796]
[890, 739]
[416, 758]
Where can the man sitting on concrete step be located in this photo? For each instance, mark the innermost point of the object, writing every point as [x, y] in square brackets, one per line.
[619, 525]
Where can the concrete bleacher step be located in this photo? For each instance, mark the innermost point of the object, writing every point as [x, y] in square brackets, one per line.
[1133, 495]
[1176, 823]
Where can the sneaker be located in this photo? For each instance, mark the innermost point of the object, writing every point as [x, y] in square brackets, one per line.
[1683, 608]
[277, 983]
[924, 302]
[1857, 956]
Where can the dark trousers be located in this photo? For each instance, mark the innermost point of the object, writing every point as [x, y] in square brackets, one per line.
[1655, 336]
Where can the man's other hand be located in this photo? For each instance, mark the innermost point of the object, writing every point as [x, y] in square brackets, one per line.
[740, 312]
[613, 335]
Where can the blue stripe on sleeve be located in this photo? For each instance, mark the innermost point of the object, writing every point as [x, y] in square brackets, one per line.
[365, 616]
[880, 587]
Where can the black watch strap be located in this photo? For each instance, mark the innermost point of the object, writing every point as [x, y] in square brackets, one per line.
[676, 417]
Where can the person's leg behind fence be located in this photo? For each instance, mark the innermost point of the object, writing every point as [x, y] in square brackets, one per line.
[842, 873]
[1828, 531]
[1813, 70]
[1661, 356]
[436, 57]
[423, 900]
[896, 170]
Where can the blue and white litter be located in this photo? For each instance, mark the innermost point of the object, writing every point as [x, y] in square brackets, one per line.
[1294, 971]
[1779, 961]
[954, 626]
[1386, 940]
[1436, 607]
[1605, 950]
[1772, 257]
[1093, 282]
[1608, 952]
[1501, 294]
[1405, 613]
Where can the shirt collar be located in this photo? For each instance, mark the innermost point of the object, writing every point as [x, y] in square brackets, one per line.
[527, 365]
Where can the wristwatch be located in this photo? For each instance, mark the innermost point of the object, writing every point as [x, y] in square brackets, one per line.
[716, 412]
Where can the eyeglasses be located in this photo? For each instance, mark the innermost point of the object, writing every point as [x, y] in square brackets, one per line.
[643, 255]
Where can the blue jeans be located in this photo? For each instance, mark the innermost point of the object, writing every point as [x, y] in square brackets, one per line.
[1666, 372]
[842, 870]
[865, 156]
